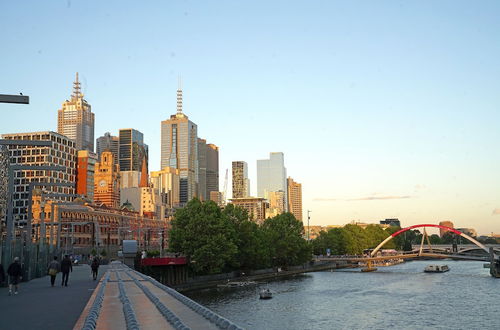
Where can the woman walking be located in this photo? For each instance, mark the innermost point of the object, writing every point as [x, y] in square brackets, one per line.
[95, 267]
[53, 269]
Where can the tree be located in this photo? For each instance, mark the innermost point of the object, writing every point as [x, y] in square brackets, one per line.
[283, 235]
[201, 232]
[252, 252]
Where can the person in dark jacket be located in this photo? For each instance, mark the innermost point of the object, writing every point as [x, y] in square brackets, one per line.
[95, 267]
[14, 271]
[53, 269]
[66, 267]
[2, 274]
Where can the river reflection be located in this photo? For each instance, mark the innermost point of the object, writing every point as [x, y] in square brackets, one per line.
[400, 296]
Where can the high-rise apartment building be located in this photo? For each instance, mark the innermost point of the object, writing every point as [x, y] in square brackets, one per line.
[241, 183]
[85, 170]
[271, 175]
[107, 181]
[294, 190]
[76, 120]
[179, 150]
[212, 169]
[108, 142]
[61, 153]
[131, 150]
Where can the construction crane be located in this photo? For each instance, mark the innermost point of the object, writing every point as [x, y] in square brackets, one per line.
[224, 192]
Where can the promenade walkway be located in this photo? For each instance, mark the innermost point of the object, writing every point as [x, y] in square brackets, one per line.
[126, 299]
[40, 306]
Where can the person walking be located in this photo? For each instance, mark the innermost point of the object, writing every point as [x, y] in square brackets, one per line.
[53, 269]
[2, 274]
[95, 267]
[15, 272]
[66, 267]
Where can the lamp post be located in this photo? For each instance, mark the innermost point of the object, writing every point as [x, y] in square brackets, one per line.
[308, 227]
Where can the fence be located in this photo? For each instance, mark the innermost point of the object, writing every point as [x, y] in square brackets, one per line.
[34, 258]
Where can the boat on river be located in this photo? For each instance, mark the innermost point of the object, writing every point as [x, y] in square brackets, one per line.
[436, 268]
[265, 294]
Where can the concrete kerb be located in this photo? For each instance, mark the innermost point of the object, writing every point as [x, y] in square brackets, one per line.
[93, 315]
[128, 310]
[168, 314]
[218, 320]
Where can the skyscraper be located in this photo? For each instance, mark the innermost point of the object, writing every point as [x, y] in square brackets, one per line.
[212, 169]
[241, 183]
[108, 142]
[76, 120]
[132, 150]
[294, 198]
[208, 169]
[179, 149]
[202, 169]
[271, 175]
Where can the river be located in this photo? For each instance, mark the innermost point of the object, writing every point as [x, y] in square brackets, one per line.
[397, 297]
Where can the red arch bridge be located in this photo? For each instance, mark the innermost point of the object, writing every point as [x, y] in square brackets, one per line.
[481, 253]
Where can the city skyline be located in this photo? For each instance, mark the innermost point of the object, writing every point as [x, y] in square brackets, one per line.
[379, 120]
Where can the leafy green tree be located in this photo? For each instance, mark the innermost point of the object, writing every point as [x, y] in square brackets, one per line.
[201, 232]
[252, 252]
[283, 235]
[435, 239]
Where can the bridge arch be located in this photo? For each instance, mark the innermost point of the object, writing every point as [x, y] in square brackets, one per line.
[428, 225]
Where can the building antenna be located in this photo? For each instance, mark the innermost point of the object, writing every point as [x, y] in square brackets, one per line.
[179, 96]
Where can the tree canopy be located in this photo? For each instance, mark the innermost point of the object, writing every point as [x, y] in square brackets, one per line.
[218, 240]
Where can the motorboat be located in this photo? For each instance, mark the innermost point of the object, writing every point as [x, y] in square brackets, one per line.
[436, 268]
[265, 294]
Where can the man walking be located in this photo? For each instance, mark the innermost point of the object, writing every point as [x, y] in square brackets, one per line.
[53, 269]
[14, 271]
[66, 267]
[95, 267]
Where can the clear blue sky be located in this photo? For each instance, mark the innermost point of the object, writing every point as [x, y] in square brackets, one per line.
[382, 108]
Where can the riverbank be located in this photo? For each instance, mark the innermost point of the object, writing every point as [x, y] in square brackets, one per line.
[205, 282]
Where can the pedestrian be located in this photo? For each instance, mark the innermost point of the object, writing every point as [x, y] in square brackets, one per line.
[53, 269]
[66, 267]
[95, 267]
[14, 271]
[2, 274]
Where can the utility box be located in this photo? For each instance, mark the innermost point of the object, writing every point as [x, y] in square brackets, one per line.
[129, 247]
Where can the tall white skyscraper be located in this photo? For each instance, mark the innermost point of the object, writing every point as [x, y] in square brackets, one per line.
[271, 175]
[179, 150]
[75, 119]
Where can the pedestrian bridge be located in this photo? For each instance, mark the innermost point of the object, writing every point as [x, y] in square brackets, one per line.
[488, 254]
[127, 299]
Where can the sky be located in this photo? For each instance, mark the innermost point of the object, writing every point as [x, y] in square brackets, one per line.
[383, 109]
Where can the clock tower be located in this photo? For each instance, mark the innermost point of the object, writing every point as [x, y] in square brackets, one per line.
[106, 181]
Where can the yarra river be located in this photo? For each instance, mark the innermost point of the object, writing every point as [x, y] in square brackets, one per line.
[398, 297]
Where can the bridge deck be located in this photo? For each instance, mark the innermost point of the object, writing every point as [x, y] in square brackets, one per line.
[407, 256]
[125, 299]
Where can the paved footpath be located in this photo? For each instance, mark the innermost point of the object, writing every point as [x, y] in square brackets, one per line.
[40, 306]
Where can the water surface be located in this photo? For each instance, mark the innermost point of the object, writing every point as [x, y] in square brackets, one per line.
[401, 296]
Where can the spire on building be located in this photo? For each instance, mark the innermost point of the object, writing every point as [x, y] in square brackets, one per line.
[76, 88]
[179, 97]
[144, 174]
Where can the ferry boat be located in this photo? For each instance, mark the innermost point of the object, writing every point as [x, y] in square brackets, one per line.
[436, 268]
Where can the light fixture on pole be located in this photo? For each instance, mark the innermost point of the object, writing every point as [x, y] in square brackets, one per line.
[308, 227]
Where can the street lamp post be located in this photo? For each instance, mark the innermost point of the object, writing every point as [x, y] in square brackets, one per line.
[308, 226]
